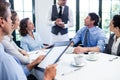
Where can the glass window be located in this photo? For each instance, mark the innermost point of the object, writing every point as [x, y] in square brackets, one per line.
[108, 11]
[18, 5]
[72, 5]
[27, 5]
[87, 6]
[24, 9]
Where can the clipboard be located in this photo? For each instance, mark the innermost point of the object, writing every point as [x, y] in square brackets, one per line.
[54, 54]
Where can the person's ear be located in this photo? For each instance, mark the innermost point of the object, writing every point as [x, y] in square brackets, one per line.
[93, 21]
[1, 22]
[117, 28]
[12, 26]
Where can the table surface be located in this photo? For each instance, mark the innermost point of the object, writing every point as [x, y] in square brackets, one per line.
[101, 69]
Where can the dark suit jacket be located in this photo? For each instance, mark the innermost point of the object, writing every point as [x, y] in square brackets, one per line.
[109, 46]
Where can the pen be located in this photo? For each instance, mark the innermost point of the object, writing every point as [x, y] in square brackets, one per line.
[37, 52]
[114, 58]
[63, 74]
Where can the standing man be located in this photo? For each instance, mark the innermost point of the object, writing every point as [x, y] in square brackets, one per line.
[92, 37]
[60, 18]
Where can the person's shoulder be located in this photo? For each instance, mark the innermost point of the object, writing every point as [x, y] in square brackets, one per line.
[24, 38]
[36, 33]
[7, 38]
[4, 56]
[83, 28]
[54, 5]
[5, 41]
[66, 6]
[112, 35]
[98, 29]
[1, 47]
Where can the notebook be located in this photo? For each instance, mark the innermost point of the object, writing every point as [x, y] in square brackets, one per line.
[54, 54]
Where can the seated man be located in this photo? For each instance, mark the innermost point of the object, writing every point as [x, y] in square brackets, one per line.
[91, 36]
[113, 46]
[10, 69]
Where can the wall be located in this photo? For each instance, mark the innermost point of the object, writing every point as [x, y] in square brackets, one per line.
[41, 10]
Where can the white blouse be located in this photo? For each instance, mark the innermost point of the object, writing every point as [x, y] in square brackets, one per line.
[12, 49]
[115, 45]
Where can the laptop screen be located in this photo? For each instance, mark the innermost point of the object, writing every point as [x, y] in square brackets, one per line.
[54, 54]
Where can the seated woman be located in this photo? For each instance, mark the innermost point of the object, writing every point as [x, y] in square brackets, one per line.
[21, 56]
[113, 46]
[10, 46]
[30, 40]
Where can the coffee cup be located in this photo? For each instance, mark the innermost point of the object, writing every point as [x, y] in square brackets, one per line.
[92, 55]
[78, 58]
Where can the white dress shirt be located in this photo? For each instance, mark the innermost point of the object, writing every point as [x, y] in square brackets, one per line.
[115, 45]
[70, 23]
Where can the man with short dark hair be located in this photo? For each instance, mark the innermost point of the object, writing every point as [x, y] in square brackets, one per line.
[91, 36]
[10, 68]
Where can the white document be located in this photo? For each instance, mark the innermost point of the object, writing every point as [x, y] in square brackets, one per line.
[52, 56]
[35, 54]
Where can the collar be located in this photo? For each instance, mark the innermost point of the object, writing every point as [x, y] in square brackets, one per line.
[59, 6]
[116, 39]
[92, 28]
[8, 38]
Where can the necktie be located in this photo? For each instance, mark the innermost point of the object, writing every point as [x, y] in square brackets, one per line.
[86, 38]
[60, 11]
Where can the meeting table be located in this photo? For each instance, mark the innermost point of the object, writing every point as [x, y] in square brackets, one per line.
[103, 67]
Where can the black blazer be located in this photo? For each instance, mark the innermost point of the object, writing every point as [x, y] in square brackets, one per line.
[109, 46]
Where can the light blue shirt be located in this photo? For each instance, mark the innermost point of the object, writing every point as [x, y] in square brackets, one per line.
[24, 67]
[96, 37]
[9, 68]
[30, 44]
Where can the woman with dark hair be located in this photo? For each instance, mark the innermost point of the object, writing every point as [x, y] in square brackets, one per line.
[23, 25]
[30, 40]
[12, 49]
[113, 46]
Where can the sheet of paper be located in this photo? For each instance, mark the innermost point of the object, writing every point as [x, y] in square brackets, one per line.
[52, 56]
[34, 54]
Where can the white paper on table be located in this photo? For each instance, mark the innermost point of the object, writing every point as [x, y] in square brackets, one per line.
[52, 56]
[34, 54]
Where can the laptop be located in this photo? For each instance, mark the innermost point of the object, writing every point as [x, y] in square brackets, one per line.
[54, 54]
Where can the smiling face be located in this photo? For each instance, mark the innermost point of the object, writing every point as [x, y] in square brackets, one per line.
[30, 25]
